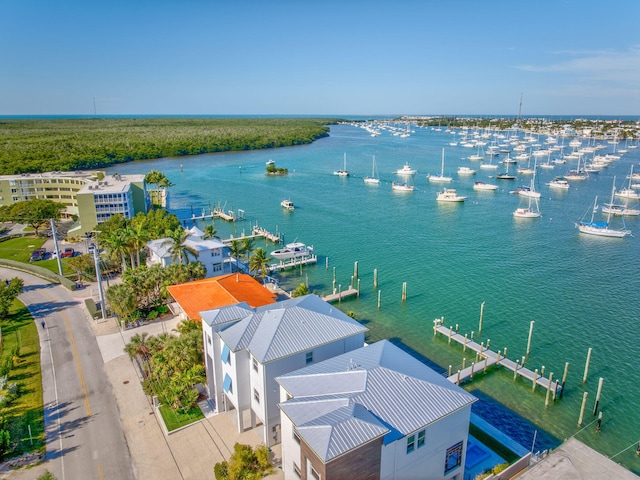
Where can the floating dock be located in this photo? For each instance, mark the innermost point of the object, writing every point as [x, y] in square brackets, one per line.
[489, 358]
[339, 296]
[229, 216]
[262, 232]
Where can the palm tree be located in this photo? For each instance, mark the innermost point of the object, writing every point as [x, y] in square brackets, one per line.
[259, 262]
[247, 246]
[177, 247]
[210, 231]
[300, 291]
[235, 249]
[139, 236]
[118, 245]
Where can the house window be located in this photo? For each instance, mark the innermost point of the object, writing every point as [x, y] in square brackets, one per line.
[421, 434]
[296, 470]
[256, 395]
[255, 364]
[226, 354]
[411, 444]
[309, 358]
[453, 458]
[315, 475]
[208, 339]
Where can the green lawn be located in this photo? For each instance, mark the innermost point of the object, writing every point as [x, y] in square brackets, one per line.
[19, 249]
[27, 410]
[174, 420]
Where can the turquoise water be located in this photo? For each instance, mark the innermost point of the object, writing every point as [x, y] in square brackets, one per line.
[581, 291]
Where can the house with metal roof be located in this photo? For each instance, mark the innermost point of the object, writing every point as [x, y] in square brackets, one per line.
[373, 413]
[246, 349]
[210, 252]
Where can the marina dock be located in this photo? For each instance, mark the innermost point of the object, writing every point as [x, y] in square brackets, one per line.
[229, 216]
[488, 358]
[339, 296]
[293, 263]
[262, 232]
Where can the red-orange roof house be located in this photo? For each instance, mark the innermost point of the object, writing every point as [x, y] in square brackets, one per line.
[200, 295]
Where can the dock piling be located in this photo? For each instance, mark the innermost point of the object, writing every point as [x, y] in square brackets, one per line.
[481, 315]
[599, 423]
[530, 334]
[584, 402]
[535, 378]
[564, 377]
[515, 371]
[379, 293]
[375, 278]
[355, 269]
[546, 400]
[599, 392]
[586, 366]
[404, 291]
[464, 345]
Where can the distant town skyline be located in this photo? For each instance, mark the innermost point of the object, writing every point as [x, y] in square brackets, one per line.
[332, 58]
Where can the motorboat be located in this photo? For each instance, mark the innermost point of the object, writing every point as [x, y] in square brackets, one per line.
[402, 187]
[406, 170]
[450, 195]
[484, 186]
[288, 204]
[466, 171]
[270, 162]
[292, 250]
[559, 183]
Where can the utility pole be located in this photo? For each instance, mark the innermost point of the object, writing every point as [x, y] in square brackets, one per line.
[55, 243]
[99, 279]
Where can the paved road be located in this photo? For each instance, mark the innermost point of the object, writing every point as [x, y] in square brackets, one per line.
[84, 434]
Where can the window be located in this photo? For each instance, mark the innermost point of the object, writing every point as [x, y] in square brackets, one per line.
[454, 457]
[309, 358]
[208, 339]
[421, 438]
[296, 470]
[411, 444]
[227, 385]
[226, 354]
[315, 475]
[255, 364]
[256, 395]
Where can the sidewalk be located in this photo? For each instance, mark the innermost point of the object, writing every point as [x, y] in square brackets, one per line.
[190, 453]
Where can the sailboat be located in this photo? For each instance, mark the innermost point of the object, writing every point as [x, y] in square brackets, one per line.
[373, 179]
[530, 211]
[531, 191]
[344, 172]
[629, 192]
[602, 229]
[440, 178]
[505, 175]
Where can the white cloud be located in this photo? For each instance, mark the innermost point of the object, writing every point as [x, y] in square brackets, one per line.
[614, 69]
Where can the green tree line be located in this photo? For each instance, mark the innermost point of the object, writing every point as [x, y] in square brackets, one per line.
[39, 145]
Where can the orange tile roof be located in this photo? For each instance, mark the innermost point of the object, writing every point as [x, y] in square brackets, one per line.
[216, 292]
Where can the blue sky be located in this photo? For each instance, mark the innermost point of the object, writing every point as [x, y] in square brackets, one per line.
[319, 57]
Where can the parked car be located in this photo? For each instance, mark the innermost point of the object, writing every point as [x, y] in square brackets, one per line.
[38, 254]
[68, 252]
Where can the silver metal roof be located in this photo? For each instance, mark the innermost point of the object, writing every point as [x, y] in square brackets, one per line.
[220, 316]
[281, 329]
[397, 390]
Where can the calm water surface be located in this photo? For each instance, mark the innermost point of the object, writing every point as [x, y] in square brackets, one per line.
[581, 291]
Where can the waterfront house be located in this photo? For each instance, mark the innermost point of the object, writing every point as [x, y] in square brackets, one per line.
[210, 252]
[373, 413]
[191, 298]
[246, 349]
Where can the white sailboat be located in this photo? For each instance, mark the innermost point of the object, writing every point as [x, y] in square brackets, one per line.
[629, 192]
[373, 179]
[344, 172]
[530, 211]
[602, 229]
[441, 177]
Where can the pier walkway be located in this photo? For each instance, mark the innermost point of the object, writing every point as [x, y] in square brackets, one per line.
[339, 296]
[489, 358]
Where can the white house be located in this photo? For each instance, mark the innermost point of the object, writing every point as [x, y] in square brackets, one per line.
[246, 349]
[210, 252]
[373, 413]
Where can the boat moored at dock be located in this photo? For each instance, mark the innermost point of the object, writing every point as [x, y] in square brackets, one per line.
[292, 250]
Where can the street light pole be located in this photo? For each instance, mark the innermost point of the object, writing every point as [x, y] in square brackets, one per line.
[99, 279]
[55, 244]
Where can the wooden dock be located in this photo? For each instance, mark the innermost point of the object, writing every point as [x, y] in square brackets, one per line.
[293, 263]
[488, 358]
[339, 296]
[263, 232]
